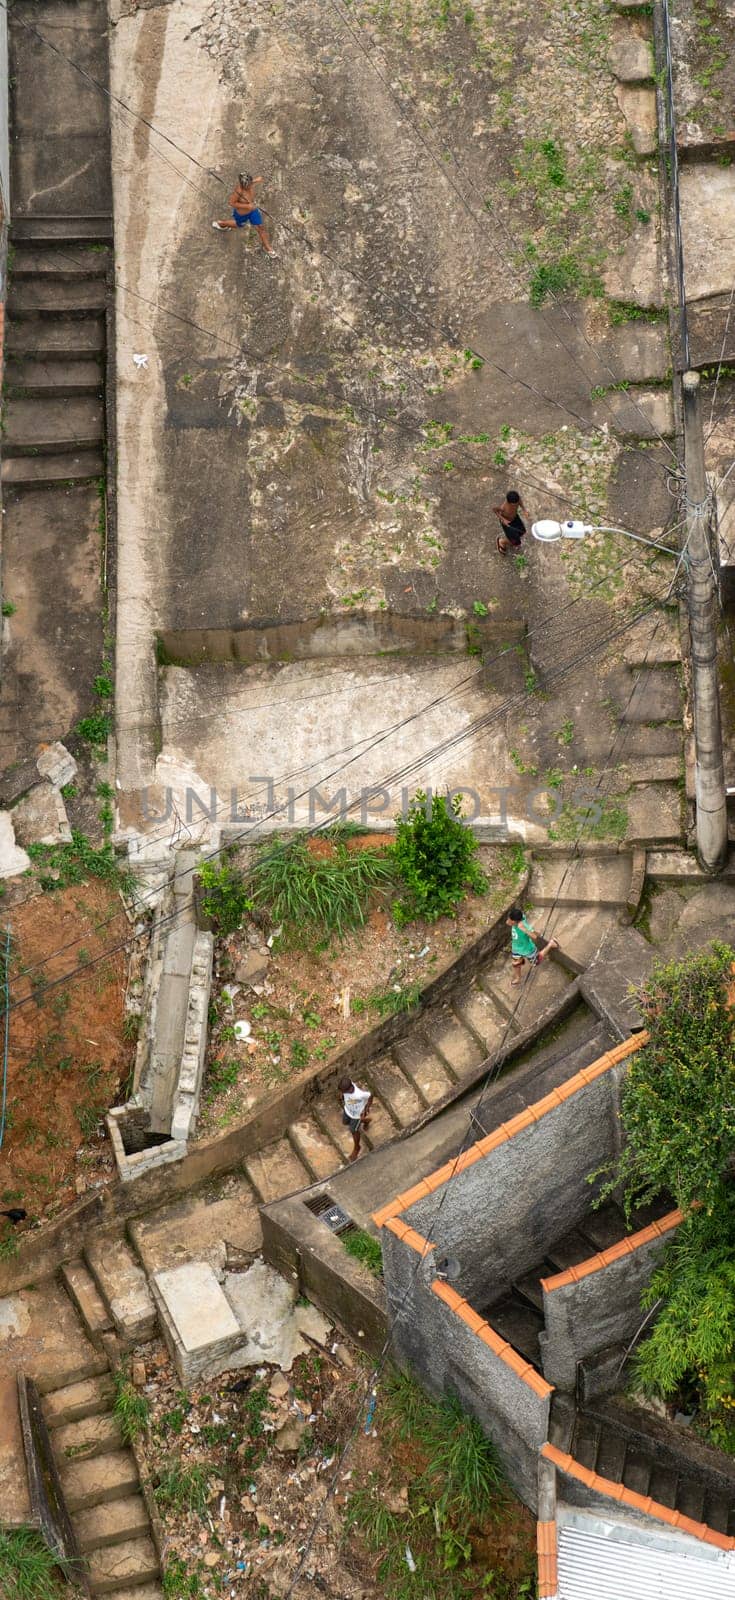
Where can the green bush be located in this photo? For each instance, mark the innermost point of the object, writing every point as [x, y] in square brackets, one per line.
[328, 894]
[435, 854]
[678, 1115]
[226, 899]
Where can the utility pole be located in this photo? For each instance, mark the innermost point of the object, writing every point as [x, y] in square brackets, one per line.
[711, 799]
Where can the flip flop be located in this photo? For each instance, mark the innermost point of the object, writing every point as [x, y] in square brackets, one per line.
[499, 546]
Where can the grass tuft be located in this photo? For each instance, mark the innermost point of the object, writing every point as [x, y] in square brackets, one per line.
[27, 1568]
[131, 1408]
[364, 1248]
[182, 1488]
[329, 894]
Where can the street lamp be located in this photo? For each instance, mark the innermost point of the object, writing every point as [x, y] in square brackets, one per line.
[548, 532]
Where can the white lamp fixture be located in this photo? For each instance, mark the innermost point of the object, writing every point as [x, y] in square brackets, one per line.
[548, 532]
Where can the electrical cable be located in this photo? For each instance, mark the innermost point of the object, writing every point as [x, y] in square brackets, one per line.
[369, 741]
[354, 32]
[431, 1226]
[479, 725]
[586, 423]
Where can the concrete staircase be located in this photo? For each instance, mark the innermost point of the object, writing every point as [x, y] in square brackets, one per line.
[606, 1440]
[54, 422]
[100, 1482]
[109, 1289]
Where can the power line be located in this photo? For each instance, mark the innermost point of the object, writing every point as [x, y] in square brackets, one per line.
[363, 746]
[354, 32]
[431, 1227]
[479, 725]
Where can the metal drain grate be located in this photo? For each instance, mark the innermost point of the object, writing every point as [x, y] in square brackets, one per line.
[323, 1207]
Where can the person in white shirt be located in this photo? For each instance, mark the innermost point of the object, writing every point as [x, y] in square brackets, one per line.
[356, 1105]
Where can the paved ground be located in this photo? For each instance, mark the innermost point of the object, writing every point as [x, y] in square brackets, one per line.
[257, 479]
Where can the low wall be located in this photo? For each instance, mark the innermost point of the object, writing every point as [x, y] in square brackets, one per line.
[358, 633]
[299, 1246]
[41, 1253]
[598, 1303]
[461, 1355]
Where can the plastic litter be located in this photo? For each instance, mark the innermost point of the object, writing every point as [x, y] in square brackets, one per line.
[410, 1563]
[141, 362]
[242, 1030]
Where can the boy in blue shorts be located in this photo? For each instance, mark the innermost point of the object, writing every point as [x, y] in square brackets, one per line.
[245, 210]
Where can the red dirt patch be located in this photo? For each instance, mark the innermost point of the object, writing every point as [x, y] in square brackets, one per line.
[67, 1057]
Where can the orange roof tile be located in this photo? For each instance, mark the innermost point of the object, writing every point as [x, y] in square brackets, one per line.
[636, 1502]
[445, 1292]
[547, 1560]
[615, 1252]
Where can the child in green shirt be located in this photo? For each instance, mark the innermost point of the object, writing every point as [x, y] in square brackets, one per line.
[525, 944]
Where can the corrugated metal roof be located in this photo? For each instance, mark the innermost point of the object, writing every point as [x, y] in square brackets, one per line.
[611, 1562]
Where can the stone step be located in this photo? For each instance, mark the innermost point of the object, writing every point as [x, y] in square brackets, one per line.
[540, 987]
[459, 1051]
[91, 1483]
[315, 1151]
[32, 261]
[57, 338]
[276, 1171]
[40, 379]
[580, 931]
[382, 1128]
[77, 1400]
[111, 1523]
[82, 1289]
[602, 881]
[327, 1113]
[478, 1011]
[656, 697]
[93, 1366]
[90, 1436]
[44, 297]
[423, 1066]
[187, 1230]
[53, 425]
[133, 1562]
[41, 469]
[123, 1286]
[61, 230]
[397, 1094]
[716, 1511]
[146, 1591]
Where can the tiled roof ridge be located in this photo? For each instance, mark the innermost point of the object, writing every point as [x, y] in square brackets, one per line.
[499, 1346]
[546, 1546]
[624, 1247]
[636, 1502]
[507, 1130]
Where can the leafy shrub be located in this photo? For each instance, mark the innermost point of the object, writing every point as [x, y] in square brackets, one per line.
[95, 729]
[61, 864]
[330, 893]
[226, 899]
[678, 1115]
[435, 855]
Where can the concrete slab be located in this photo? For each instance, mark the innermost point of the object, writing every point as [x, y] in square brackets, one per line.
[637, 274]
[707, 915]
[200, 1227]
[602, 881]
[265, 1307]
[198, 1321]
[124, 1289]
[655, 814]
[643, 413]
[638, 106]
[13, 860]
[616, 975]
[15, 1497]
[630, 54]
[653, 641]
[56, 764]
[40, 1332]
[708, 227]
[40, 817]
[657, 697]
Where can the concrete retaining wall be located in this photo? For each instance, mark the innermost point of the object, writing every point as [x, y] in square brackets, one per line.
[299, 1246]
[601, 1309]
[500, 1214]
[359, 634]
[449, 1358]
[43, 1252]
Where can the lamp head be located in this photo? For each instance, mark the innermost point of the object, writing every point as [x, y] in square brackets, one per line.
[548, 532]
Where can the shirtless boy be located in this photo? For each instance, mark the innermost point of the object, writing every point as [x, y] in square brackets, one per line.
[245, 210]
[511, 522]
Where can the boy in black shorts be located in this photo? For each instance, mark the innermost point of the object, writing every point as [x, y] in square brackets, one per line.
[511, 522]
